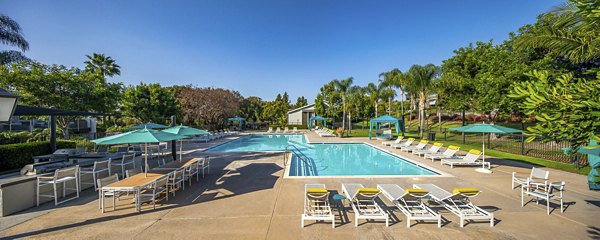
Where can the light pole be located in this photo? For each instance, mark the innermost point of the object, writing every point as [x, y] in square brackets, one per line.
[8, 104]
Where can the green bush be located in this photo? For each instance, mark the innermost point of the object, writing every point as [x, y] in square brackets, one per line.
[15, 156]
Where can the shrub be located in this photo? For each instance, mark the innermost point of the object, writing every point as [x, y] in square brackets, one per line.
[15, 156]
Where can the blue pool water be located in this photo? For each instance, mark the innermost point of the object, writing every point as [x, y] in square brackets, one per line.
[327, 159]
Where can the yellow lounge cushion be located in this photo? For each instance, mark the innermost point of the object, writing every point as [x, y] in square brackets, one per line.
[368, 191]
[465, 191]
[316, 190]
[438, 144]
[476, 152]
[411, 139]
[416, 191]
[454, 147]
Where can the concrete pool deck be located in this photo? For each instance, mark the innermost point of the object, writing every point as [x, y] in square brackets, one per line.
[246, 197]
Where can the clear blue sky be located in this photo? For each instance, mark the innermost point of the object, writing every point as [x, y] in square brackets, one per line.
[262, 48]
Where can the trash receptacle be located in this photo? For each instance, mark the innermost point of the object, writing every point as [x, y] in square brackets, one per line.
[431, 136]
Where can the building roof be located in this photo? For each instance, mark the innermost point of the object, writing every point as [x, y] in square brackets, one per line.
[304, 107]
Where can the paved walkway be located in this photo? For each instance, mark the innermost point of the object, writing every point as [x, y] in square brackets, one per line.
[246, 197]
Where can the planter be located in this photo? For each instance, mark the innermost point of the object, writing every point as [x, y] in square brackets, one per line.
[339, 135]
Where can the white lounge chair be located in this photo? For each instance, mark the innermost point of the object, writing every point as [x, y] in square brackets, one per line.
[270, 130]
[435, 148]
[419, 146]
[278, 130]
[449, 153]
[295, 130]
[547, 192]
[389, 143]
[537, 176]
[471, 159]
[316, 204]
[362, 201]
[286, 130]
[408, 142]
[410, 202]
[458, 202]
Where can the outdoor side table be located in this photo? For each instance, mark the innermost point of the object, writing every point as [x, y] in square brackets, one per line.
[339, 199]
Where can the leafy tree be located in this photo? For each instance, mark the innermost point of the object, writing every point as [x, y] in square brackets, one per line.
[149, 103]
[61, 87]
[573, 30]
[567, 108]
[102, 65]
[208, 106]
[320, 105]
[301, 102]
[342, 87]
[251, 109]
[11, 34]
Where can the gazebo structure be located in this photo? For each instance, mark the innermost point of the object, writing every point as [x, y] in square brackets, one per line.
[241, 120]
[316, 118]
[399, 124]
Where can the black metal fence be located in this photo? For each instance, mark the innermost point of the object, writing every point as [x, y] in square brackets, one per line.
[516, 144]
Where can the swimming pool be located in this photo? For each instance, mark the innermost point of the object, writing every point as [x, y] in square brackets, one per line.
[327, 159]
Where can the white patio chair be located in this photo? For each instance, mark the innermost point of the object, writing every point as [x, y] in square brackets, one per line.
[61, 177]
[537, 176]
[98, 168]
[191, 170]
[103, 182]
[204, 165]
[154, 192]
[176, 180]
[126, 160]
[547, 192]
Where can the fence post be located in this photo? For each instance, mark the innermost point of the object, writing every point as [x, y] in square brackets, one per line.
[522, 144]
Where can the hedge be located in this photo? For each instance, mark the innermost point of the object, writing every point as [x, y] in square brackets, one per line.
[15, 156]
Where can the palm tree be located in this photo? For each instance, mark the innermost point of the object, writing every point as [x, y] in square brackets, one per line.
[11, 34]
[573, 31]
[102, 65]
[375, 92]
[423, 78]
[342, 87]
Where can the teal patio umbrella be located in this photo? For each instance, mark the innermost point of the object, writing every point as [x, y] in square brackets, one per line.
[485, 128]
[150, 126]
[185, 131]
[144, 136]
[593, 152]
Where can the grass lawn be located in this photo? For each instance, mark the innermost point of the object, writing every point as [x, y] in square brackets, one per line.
[358, 132]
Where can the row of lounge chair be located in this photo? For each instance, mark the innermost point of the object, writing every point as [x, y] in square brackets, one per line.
[214, 136]
[410, 201]
[324, 133]
[448, 157]
[285, 130]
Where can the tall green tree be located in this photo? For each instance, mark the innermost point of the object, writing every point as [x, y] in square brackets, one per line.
[423, 78]
[301, 102]
[375, 91]
[102, 65]
[342, 87]
[251, 108]
[149, 102]
[11, 34]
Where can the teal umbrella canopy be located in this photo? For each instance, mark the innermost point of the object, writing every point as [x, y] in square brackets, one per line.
[236, 118]
[138, 136]
[317, 118]
[149, 126]
[185, 131]
[486, 128]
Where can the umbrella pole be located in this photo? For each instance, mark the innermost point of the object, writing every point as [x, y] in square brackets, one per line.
[180, 149]
[482, 169]
[146, 160]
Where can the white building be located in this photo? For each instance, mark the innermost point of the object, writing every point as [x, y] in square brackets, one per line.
[300, 116]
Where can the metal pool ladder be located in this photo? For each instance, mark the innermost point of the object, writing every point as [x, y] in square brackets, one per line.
[308, 166]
